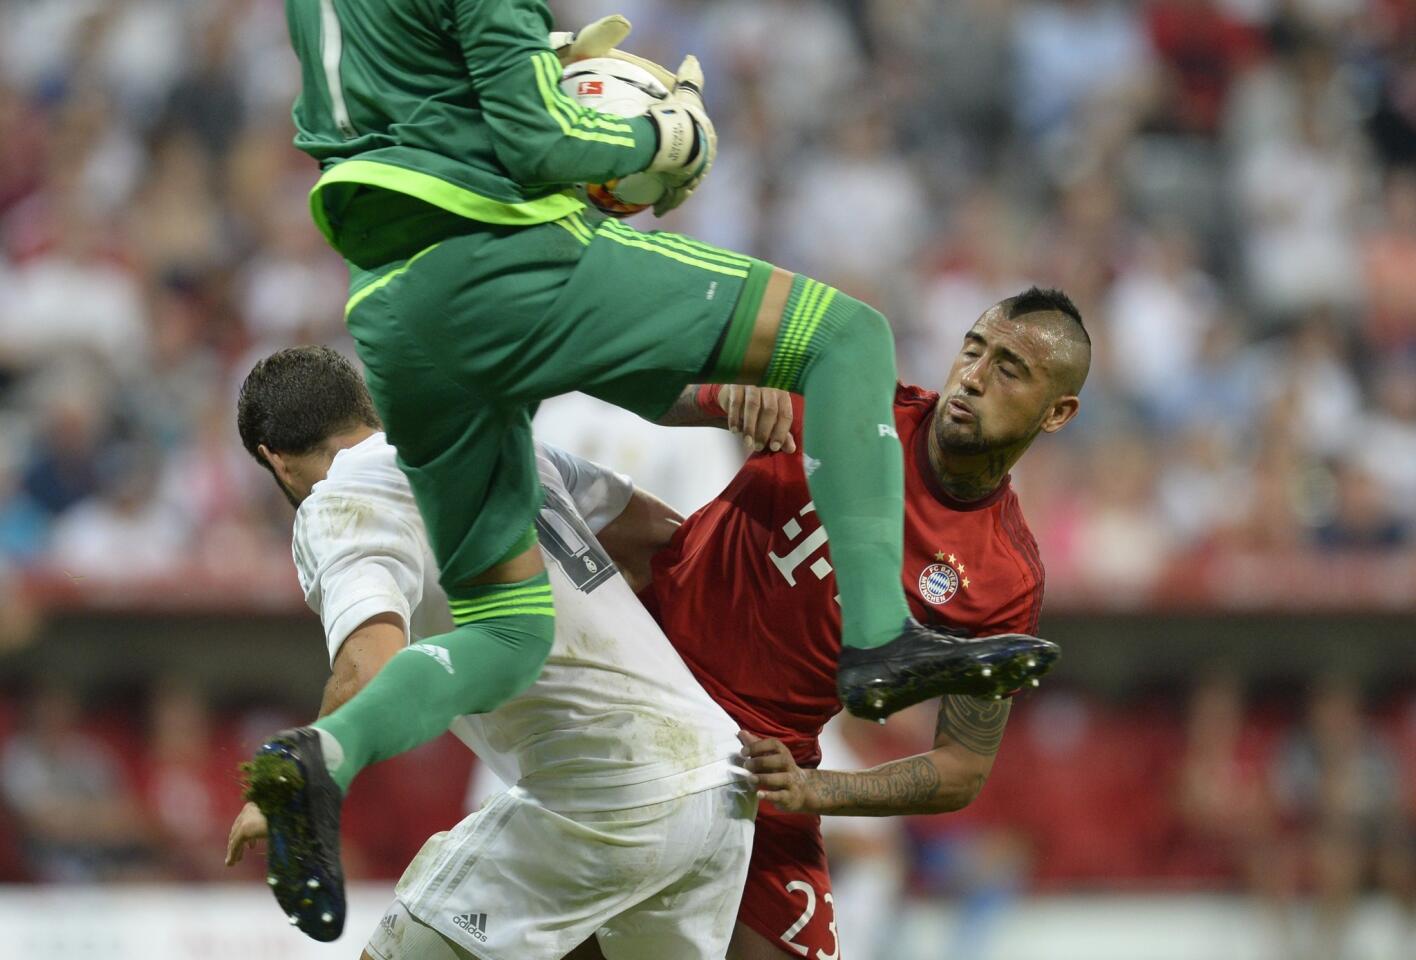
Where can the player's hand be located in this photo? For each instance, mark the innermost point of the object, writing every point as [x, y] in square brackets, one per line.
[688, 143]
[775, 773]
[249, 827]
[762, 415]
[597, 39]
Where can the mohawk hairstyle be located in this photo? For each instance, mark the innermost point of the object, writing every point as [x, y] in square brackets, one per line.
[1045, 300]
[296, 399]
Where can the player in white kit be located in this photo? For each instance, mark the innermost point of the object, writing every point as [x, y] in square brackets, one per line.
[629, 820]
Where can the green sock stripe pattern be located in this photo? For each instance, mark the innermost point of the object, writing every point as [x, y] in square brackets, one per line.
[502, 597]
[807, 308]
[461, 619]
[518, 591]
[801, 287]
[809, 327]
[528, 599]
[794, 345]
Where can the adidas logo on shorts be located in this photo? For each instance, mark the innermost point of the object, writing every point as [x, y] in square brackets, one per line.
[473, 923]
[440, 654]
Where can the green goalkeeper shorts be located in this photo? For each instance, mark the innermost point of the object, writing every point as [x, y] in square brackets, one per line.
[461, 340]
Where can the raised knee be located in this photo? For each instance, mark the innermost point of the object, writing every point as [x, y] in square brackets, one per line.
[864, 321]
[515, 648]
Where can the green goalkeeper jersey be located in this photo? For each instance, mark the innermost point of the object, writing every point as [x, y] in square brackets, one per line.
[455, 103]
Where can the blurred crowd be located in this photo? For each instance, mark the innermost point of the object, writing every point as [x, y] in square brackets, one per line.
[144, 785]
[1301, 799]
[1226, 187]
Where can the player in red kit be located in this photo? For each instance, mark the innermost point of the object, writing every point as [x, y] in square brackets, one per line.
[746, 593]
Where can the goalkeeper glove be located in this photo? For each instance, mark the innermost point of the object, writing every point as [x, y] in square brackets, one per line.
[688, 143]
[597, 39]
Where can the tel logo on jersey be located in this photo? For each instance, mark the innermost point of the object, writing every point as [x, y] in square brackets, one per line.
[938, 583]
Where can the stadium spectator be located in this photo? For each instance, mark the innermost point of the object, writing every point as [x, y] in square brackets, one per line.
[1202, 48]
[1388, 250]
[70, 797]
[187, 780]
[1224, 817]
[1075, 60]
[126, 533]
[1338, 788]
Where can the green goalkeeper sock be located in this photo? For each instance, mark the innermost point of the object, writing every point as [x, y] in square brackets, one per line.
[503, 636]
[840, 354]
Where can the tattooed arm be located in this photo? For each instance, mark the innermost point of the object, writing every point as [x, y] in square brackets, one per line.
[763, 416]
[688, 412]
[945, 779]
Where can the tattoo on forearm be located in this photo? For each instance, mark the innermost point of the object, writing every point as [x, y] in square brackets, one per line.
[685, 411]
[912, 785]
[977, 725]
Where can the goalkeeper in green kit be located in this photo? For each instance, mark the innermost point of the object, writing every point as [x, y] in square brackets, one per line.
[480, 285]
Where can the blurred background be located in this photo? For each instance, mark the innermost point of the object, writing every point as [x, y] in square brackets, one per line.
[1224, 764]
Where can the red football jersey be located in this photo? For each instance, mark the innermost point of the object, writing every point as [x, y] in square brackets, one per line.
[746, 591]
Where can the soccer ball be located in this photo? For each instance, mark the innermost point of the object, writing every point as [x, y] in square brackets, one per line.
[623, 90]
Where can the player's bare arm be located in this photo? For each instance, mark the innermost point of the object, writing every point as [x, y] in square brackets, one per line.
[645, 527]
[943, 780]
[761, 415]
[362, 655]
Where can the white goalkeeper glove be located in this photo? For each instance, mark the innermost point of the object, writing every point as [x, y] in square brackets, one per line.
[601, 39]
[688, 143]
[597, 39]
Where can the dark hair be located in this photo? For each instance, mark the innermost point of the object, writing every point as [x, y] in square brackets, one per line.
[1040, 300]
[296, 399]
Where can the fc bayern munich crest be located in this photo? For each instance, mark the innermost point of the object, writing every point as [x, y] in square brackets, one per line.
[938, 583]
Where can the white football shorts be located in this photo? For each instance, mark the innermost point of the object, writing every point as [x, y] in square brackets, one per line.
[515, 881]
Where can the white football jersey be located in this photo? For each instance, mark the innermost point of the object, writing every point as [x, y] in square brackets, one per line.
[615, 719]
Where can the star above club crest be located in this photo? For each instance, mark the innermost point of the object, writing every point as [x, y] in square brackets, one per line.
[939, 556]
[966, 583]
[961, 568]
[953, 561]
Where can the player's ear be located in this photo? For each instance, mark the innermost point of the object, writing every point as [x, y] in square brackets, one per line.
[278, 464]
[1061, 412]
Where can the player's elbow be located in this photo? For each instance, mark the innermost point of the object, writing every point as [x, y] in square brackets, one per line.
[361, 671]
[537, 156]
[960, 793]
[524, 157]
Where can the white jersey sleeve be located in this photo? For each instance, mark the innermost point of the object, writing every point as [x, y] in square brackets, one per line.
[599, 493]
[356, 561]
